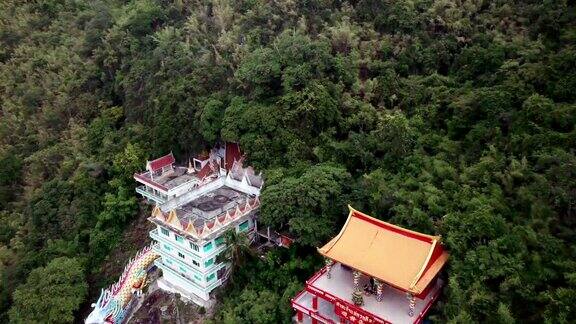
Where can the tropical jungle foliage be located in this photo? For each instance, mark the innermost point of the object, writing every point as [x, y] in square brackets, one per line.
[452, 117]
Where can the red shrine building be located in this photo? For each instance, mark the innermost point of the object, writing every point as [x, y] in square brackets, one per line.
[375, 272]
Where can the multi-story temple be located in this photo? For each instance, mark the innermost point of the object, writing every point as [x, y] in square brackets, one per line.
[195, 206]
[375, 272]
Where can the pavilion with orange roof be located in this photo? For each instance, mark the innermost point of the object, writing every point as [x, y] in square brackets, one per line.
[376, 272]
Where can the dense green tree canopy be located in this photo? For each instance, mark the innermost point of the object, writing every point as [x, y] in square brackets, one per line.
[449, 117]
[51, 294]
[310, 205]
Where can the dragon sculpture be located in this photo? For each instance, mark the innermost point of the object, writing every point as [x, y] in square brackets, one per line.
[113, 303]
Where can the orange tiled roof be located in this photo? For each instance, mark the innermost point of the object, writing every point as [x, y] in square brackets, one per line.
[400, 257]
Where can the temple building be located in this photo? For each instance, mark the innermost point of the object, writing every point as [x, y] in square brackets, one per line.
[163, 180]
[195, 206]
[375, 272]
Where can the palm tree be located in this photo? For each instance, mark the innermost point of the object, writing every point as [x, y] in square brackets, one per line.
[237, 249]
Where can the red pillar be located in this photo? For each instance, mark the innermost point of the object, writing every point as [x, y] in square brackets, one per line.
[315, 302]
[314, 321]
[299, 316]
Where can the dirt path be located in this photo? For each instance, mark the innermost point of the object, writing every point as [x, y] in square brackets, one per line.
[162, 307]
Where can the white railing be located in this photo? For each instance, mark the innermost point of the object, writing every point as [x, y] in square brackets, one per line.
[141, 190]
[185, 248]
[166, 255]
[189, 280]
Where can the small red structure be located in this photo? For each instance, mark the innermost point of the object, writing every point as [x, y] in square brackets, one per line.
[232, 155]
[161, 163]
[375, 272]
[285, 240]
[278, 239]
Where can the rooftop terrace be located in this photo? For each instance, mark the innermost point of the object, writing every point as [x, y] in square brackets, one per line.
[211, 204]
[164, 174]
[392, 309]
[170, 179]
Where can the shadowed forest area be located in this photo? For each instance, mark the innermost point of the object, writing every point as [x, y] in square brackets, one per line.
[450, 117]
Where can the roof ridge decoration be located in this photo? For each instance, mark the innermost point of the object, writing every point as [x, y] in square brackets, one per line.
[413, 284]
[208, 227]
[242, 207]
[247, 172]
[157, 213]
[335, 239]
[205, 171]
[396, 227]
[205, 229]
[229, 215]
[191, 228]
[217, 222]
[173, 219]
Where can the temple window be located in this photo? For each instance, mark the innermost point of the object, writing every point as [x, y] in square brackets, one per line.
[164, 231]
[210, 277]
[194, 247]
[208, 247]
[242, 227]
[209, 262]
[219, 241]
[181, 255]
[179, 238]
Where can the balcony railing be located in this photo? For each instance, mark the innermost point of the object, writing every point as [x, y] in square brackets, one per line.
[166, 255]
[184, 247]
[312, 313]
[189, 280]
[150, 195]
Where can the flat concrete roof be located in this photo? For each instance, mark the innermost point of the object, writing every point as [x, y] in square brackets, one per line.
[211, 204]
[171, 179]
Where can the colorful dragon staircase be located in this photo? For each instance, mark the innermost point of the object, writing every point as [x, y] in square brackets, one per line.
[115, 302]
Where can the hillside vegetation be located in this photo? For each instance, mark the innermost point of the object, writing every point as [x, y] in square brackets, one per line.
[450, 117]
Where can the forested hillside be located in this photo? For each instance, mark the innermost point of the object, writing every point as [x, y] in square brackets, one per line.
[451, 117]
